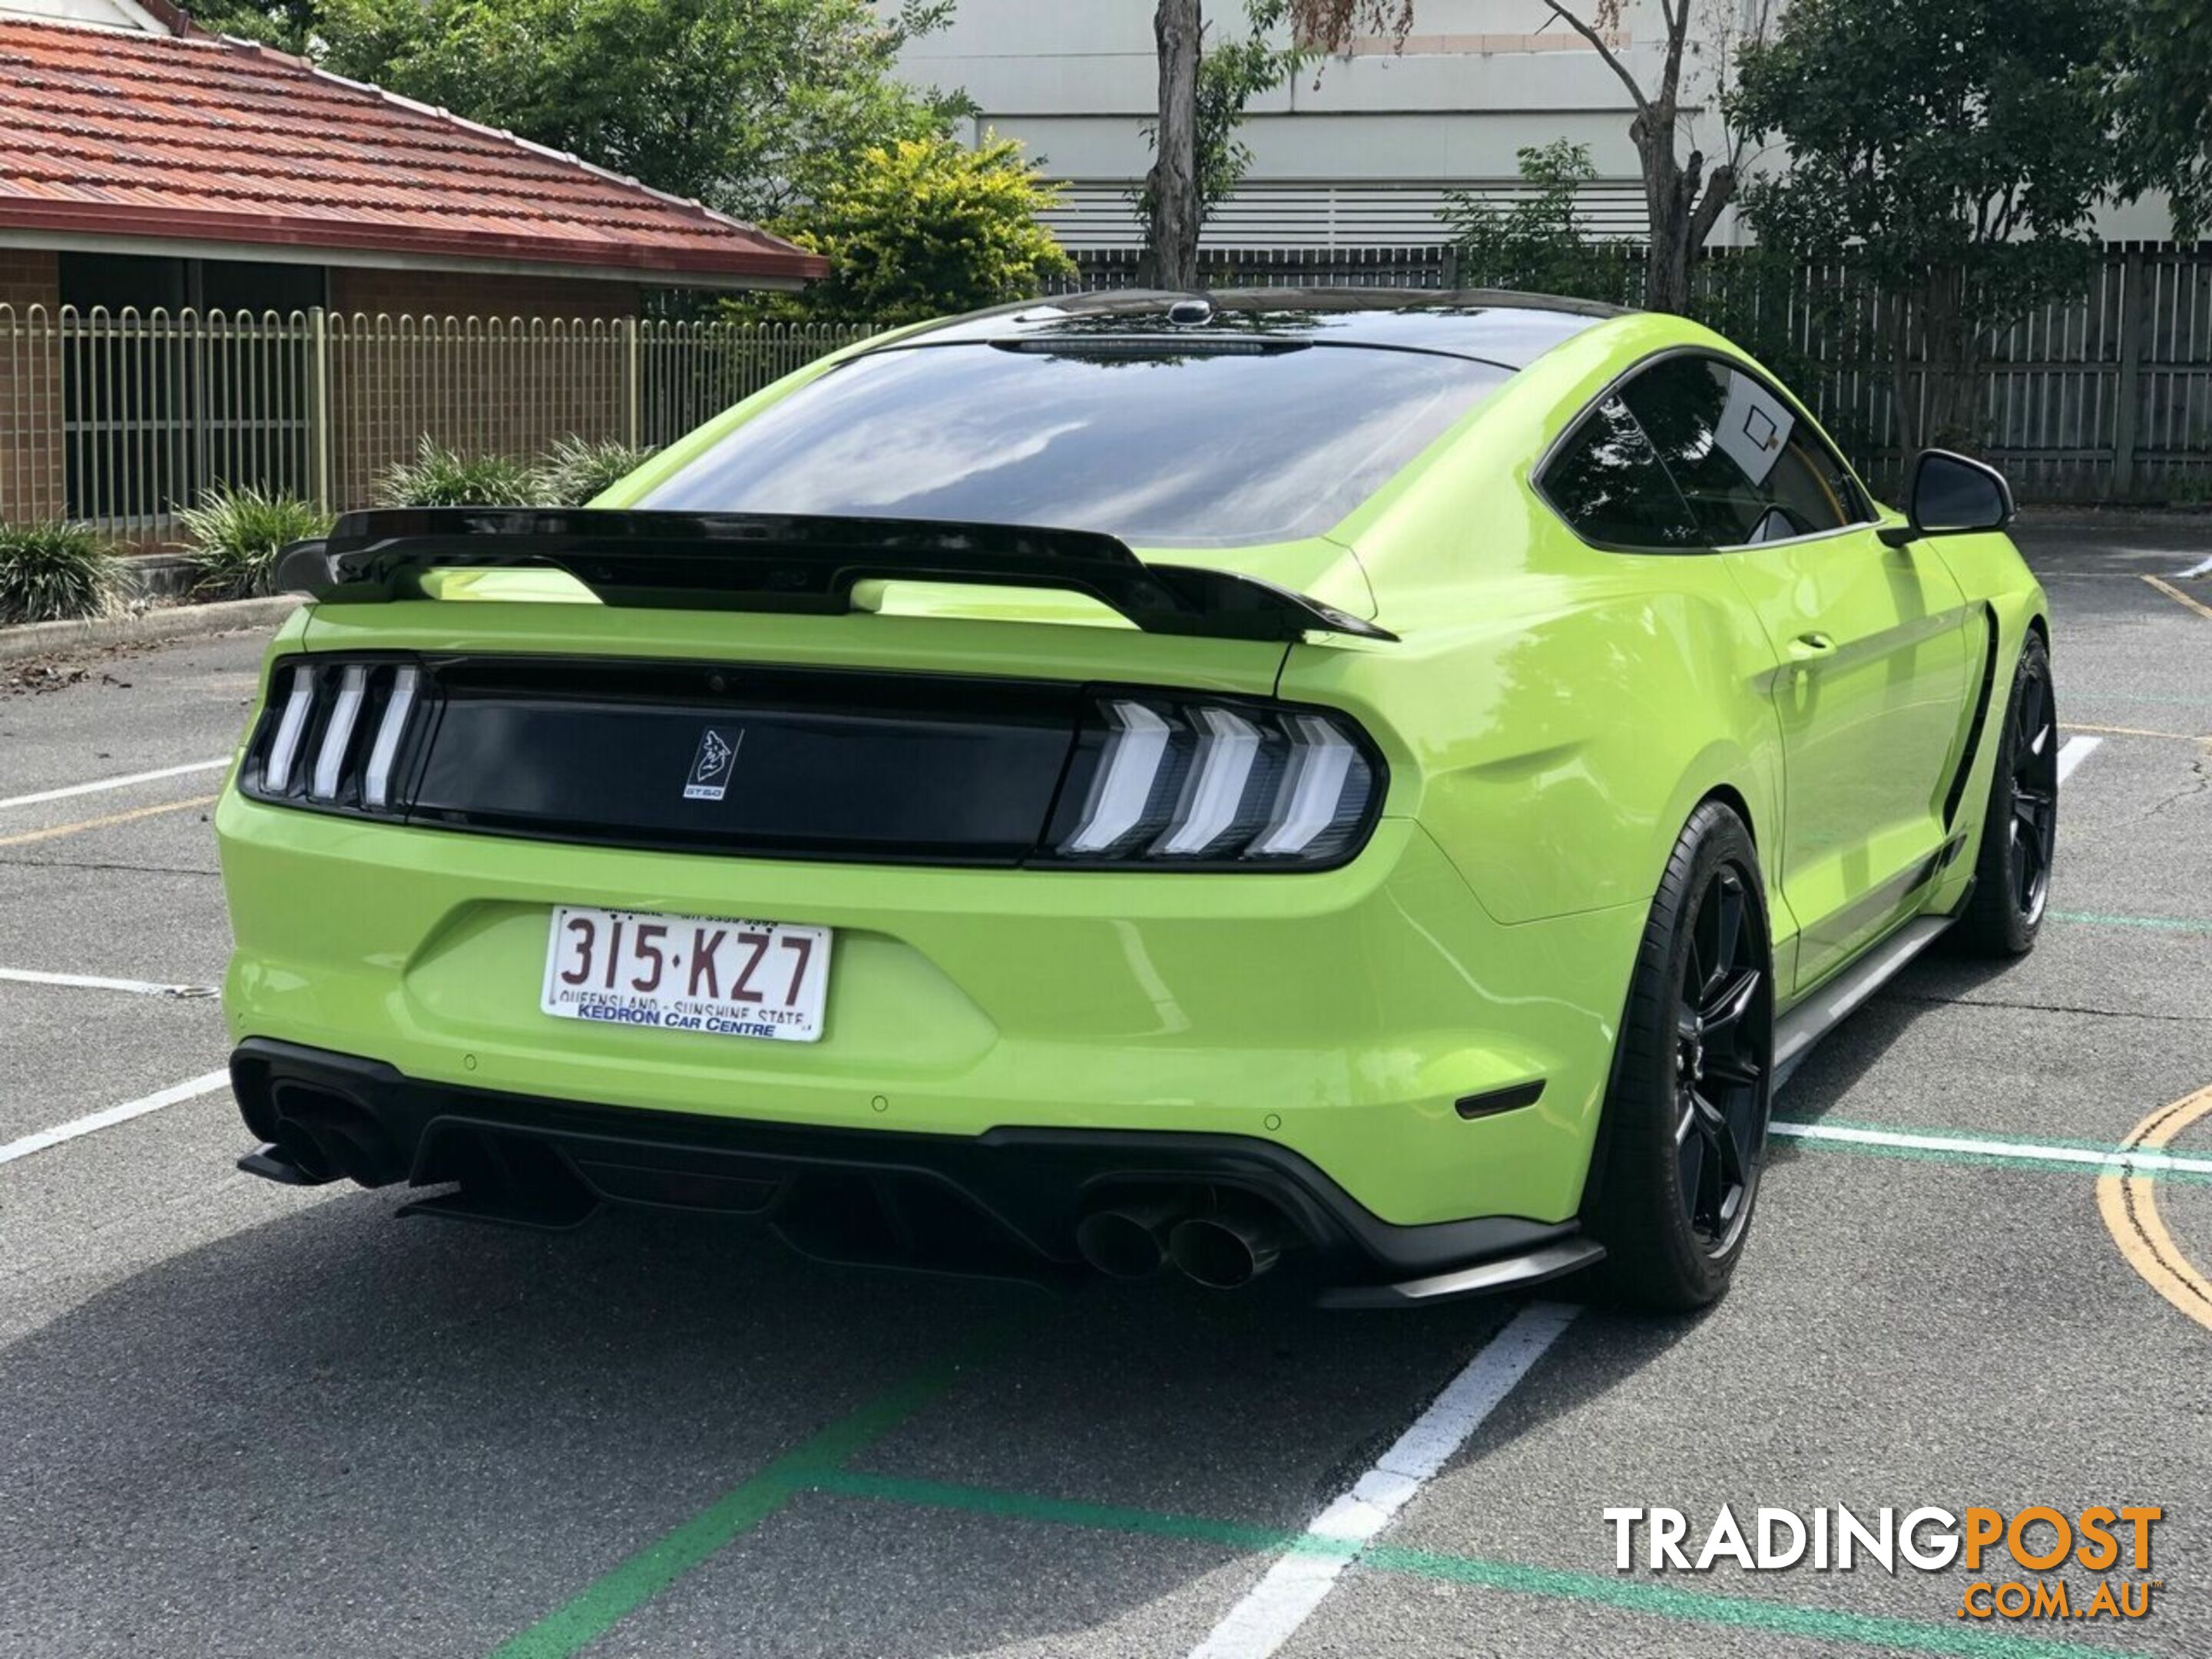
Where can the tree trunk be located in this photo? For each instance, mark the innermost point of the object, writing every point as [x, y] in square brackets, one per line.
[1171, 239]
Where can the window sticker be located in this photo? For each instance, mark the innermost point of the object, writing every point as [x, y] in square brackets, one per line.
[1755, 426]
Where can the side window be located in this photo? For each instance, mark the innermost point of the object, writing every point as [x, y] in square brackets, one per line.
[1608, 482]
[1750, 470]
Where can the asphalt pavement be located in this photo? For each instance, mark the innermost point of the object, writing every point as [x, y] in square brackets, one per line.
[237, 1418]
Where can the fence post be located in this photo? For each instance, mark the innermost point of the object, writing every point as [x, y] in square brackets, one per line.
[2128, 396]
[633, 390]
[319, 407]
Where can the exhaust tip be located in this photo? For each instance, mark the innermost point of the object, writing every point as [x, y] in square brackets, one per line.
[1224, 1252]
[1126, 1243]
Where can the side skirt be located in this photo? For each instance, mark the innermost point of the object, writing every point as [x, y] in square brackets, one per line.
[1796, 1031]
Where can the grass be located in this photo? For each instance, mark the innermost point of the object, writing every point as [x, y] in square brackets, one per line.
[56, 572]
[232, 538]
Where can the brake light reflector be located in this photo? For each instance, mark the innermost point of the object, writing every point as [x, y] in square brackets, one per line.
[284, 747]
[337, 731]
[1321, 762]
[1124, 784]
[376, 782]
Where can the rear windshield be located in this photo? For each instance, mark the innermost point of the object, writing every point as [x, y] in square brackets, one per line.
[1192, 450]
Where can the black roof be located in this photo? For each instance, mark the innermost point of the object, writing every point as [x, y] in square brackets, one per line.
[1493, 326]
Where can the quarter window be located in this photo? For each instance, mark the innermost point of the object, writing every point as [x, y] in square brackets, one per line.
[1749, 470]
[1606, 482]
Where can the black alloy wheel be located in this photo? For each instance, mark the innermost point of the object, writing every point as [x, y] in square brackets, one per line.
[1724, 1026]
[1675, 1173]
[2019, 830]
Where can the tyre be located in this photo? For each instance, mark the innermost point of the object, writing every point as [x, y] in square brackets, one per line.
[2019, 830]
[1685, 1137]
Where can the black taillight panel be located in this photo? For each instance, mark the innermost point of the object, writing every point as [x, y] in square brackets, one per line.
[772, 762]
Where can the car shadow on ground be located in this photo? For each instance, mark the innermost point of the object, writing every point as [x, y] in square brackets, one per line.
[376, 1435]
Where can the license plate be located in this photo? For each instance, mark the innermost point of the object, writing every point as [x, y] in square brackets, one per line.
[749, 979]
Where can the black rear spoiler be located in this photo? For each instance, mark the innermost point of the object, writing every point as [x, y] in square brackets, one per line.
[789, 562]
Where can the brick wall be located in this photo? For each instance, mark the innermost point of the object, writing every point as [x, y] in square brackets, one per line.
[30, 387]
[541, 358]
[469, 293]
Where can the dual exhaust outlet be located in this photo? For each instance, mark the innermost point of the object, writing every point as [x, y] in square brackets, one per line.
[1222, 1248]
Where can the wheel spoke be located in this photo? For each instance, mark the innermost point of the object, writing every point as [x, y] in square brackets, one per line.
[1731, 897]
[1730, 1002]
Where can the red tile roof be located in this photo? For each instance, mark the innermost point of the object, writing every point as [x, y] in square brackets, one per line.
[107, 133]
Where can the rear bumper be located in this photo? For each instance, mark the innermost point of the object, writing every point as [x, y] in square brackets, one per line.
[1338, 1015]
[1002, 1204]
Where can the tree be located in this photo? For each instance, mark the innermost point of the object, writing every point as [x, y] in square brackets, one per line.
[748, 104]
[1955, 149]
[2164, 56]
[1172, 185]
[1537, 245]
[1229, 76]
[1683, 198]
[924, 227]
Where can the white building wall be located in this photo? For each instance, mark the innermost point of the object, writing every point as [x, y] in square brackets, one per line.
[1353, 153]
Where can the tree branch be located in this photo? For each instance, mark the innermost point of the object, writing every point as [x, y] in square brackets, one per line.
[1613, 63]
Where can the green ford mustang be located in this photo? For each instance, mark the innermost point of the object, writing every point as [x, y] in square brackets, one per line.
[1385, 783]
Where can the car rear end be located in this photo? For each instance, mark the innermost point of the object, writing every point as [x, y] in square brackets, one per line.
[991, 937]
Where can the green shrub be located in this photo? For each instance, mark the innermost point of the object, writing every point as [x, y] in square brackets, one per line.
[438, 476]
[924, 227]
[55, 572]
[576, 470]
[233, 538]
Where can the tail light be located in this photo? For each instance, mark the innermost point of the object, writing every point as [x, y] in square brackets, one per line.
[1188, 783]
[336, 733]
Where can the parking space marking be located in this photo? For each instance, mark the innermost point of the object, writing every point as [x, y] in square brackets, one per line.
[2073, 752]
[2135, 731]
[123, 783]
[206, 1084]
[1624, 1593]
[1286, 1597]
[2202, 567]
[2128, 1204]
[2126, 1159]
[2159, 924]
[113, 818]
[2181, 597]
[603, 1604]
[98, 982]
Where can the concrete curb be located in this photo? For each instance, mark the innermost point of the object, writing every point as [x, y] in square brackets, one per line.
[182, 622]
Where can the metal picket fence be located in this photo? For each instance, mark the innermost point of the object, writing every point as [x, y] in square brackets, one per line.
[115, 418]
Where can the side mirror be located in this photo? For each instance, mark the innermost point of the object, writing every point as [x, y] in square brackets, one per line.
[1951, 495]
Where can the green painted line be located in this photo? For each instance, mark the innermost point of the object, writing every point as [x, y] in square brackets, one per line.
[606, 1602]
[1631, 1594]
[2161, 924]
[1738, 1612]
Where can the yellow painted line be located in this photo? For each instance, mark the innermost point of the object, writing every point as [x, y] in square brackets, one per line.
[2181, 597]
[82, 824]
[2128, 1204]
[2135, 731]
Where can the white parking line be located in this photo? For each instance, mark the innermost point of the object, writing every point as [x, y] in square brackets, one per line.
[2202, 567]
[2073, 752]
[123, 783]
[96, 982]
[1271, 1613]
[2116, 1162]
[114, 1114]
